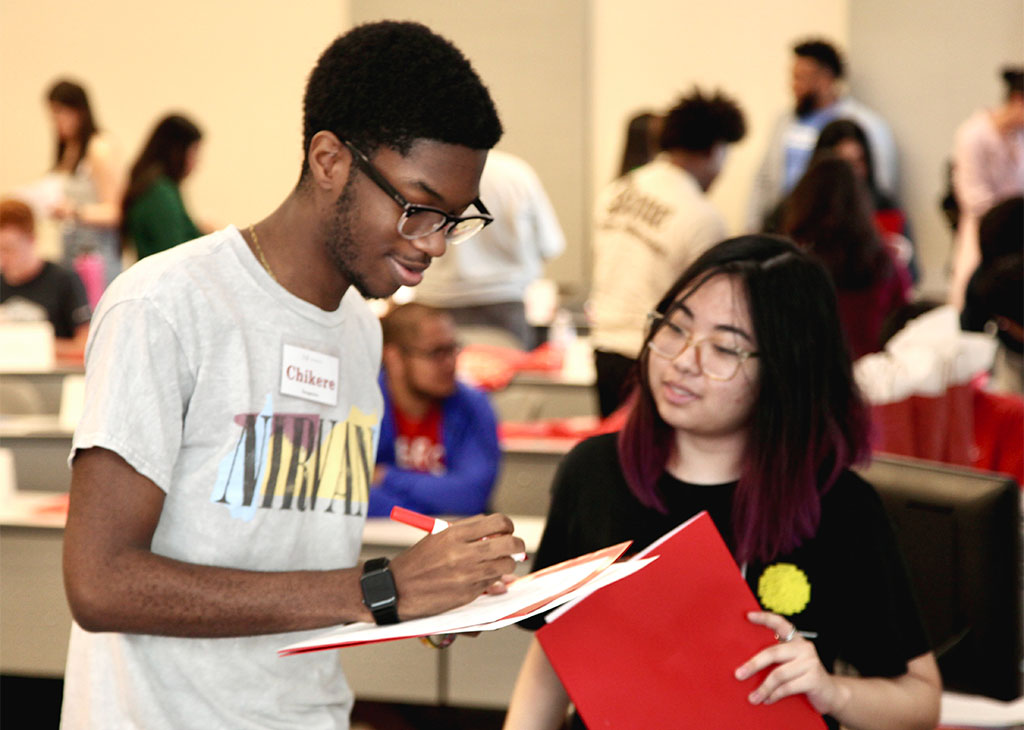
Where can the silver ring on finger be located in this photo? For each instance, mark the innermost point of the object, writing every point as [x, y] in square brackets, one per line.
[788, 637]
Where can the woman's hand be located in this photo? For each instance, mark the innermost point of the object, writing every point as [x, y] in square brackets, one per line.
[798, 670]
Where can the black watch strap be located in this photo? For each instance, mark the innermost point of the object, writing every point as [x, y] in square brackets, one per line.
[379, 592]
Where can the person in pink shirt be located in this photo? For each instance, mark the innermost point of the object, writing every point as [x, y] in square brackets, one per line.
[988, 167]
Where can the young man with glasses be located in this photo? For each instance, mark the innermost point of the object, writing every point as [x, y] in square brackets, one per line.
[438, 449]
[217, 498]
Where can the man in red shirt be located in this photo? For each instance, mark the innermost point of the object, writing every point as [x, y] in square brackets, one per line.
[438, 449]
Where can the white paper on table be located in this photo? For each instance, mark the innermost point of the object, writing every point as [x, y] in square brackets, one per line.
[526, 596]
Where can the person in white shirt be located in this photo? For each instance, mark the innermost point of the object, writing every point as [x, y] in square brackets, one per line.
[650, 225]
[816, 82]
[484, 280]
[220, 468]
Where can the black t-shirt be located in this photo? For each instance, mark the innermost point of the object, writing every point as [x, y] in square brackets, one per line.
[58, 291]
[848, 584]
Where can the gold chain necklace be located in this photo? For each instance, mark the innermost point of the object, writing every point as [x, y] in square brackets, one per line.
[259, 251]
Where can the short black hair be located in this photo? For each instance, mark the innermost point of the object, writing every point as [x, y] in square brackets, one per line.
[1014, 78]
[698, 122]
[401, 325]
[823, 52]
[1001, 229]
[392, 83]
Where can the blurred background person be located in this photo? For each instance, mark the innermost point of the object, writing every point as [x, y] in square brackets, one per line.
[829, 214]
[438, 450]
[988, 166]
[91, 207]
[816, 81]
[845, 139]
[483, 281]
[995, 293]
[33, 289]
[153, 215]
[642, 134]
[649, 226]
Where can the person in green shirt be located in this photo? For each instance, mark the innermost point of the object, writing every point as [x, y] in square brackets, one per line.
[154, 215]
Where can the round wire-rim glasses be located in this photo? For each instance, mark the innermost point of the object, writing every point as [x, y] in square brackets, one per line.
[716, 358]
[418, 221]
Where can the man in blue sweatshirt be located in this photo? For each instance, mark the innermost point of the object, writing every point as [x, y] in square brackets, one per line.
[438, 450]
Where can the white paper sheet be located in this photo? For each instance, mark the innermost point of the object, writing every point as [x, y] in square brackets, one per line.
[527, 595]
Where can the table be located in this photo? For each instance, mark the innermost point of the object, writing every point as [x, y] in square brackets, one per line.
[527, 471]
[480, 672]
[45, 387]
[36, 621]
[39, 445]
[531, 396]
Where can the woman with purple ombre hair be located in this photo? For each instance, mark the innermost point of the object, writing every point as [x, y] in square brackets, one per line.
[746, 407]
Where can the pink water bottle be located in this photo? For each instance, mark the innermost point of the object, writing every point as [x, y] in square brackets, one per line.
[89, 267]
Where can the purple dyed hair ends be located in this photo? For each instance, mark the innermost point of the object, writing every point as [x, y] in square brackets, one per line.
[809, 421]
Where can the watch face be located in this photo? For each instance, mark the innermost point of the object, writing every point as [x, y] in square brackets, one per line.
[379, 590]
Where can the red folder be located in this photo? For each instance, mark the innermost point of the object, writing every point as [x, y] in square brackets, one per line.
[658, 649]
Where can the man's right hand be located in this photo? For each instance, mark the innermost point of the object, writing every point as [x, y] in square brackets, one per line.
[454, 566]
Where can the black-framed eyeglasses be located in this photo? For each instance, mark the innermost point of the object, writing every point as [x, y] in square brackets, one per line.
[436, 354]
[717, 354]
[418, 221]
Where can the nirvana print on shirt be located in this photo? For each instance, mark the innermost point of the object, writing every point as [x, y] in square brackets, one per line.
[297, 461]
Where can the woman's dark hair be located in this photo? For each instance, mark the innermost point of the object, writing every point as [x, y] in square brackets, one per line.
[163, 154]
[841, 130]
[808, 422]
[71, 95]
[392, 83]
[829, 212]
[996, 289]
[639, 142]
[1013, 77]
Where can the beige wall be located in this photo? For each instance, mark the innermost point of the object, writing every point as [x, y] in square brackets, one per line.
[240, 75]
[927, 82]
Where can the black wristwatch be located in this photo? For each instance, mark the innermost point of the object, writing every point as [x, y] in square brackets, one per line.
[379, 593]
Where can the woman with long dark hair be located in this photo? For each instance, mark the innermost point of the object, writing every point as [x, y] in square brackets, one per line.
[154, 215]
[829, 214]
[90, 210]
[746, 407]
[846, 139]
[641, 146]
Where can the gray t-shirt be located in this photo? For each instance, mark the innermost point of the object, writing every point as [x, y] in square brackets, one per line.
[257, 413]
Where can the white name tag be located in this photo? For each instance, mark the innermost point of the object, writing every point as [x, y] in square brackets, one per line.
[309, 374]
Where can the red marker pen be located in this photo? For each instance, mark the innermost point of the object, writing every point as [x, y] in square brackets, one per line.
[432, 525]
